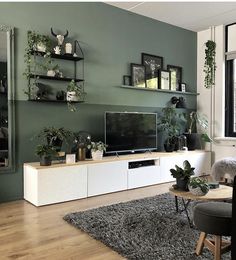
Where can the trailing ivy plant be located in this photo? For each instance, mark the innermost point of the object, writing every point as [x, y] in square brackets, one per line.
[33, 39]
[210, 65]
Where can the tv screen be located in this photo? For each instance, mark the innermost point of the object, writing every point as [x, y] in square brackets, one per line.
[130, 131]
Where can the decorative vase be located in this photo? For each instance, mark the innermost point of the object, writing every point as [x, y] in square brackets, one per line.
[197, 191]
[71, 96]
[169, 147]
[97, 155]
[41, 47]
[51, 73]
[45, 161]
[81, 154]
[192, 141]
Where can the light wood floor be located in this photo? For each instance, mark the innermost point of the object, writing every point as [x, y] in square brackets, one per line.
[29, 232]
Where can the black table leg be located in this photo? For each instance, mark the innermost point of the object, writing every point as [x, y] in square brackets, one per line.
[176, 204]
[186, 211]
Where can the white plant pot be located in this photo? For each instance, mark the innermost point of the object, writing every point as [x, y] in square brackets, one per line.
[97, 155]
[51, 73]
[41, 47]
[71, 96]
[197, 191]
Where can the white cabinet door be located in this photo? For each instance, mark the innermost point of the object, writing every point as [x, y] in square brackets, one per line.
[201, 162]
[61, 184]
[107, 177]
[166, 163]
[143, 176]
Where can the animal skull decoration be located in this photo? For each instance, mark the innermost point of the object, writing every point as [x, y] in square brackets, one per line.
[60, 38]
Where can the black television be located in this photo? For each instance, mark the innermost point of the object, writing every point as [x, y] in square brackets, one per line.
[130, 131]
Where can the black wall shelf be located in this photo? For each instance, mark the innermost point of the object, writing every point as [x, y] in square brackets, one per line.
[58, 56]
[54, 78]
[54, 101]
[160, 90]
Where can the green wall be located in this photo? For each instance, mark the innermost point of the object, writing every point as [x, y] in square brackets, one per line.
[111, 39]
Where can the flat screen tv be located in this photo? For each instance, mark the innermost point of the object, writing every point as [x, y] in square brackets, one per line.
[130, 131]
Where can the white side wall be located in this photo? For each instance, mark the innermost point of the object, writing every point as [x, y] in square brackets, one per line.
[211, 101]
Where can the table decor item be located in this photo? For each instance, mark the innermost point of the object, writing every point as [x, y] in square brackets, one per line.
[198, 186]
[97, 149]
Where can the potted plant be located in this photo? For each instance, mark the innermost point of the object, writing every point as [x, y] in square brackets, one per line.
[198, 186]
[97, 149]
[45, 152]
[74, 93]
[200, 123]
[170, 124]
[182, 175]
[55, 136]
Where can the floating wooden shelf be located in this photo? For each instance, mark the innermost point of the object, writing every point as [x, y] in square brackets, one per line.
[160, 90]
[54, 78]
[58, 56]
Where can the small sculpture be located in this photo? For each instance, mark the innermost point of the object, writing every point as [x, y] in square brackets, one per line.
[60, 38]
[57, 50]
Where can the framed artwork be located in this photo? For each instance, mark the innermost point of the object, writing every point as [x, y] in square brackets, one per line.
[175, 77]
[164, 79]
[126, 80]
[152, 83]
[138, 75]
[183, 87]
[152, 64]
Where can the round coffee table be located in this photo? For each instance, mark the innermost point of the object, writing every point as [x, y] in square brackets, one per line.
[219, 194]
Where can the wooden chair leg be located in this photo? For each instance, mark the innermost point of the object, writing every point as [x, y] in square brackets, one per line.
[217, 251]
[200, 243]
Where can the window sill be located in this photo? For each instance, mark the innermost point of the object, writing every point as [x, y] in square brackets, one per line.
[225, 139]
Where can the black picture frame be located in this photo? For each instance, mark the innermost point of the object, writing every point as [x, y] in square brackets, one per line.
[176, 77]
[138, 75]
[164, 79]
[127, 80]
[152, 64]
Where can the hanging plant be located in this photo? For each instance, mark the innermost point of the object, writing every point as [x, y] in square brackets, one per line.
[210, 65]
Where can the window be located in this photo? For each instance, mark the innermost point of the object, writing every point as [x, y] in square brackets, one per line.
[230, 81]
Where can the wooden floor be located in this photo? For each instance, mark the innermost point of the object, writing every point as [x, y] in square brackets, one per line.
[29, 232]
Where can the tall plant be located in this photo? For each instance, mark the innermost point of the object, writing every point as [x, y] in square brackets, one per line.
[210, 65]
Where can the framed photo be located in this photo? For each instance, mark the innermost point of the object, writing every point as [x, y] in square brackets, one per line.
[183, 87]
[152, 83]
[138, 75]
[175, 77]
[70, 158]
[126, 80]
[164, 79]
[152, 64]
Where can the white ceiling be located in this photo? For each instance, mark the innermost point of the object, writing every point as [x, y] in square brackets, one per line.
[194, 16]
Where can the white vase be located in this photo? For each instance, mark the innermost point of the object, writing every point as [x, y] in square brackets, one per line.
[71, 96]
[97, 155]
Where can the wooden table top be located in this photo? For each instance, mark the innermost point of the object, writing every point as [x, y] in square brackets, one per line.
[221, 193]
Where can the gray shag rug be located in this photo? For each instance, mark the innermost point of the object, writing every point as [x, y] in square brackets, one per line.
[142, 229]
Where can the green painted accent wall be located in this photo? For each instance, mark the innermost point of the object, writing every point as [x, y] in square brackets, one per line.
[111, 39]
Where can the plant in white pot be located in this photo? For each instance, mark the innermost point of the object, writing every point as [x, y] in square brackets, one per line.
[97, 149]
[198, 186]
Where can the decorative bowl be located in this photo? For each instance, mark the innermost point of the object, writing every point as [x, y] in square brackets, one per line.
[197, 191]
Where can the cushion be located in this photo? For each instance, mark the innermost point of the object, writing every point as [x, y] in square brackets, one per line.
[213, 218]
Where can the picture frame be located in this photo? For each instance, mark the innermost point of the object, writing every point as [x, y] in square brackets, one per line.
[176, 77]
[138, 75]
[164, 79]
[183, 87]
[127, 80]
[70, 158]
[152, 64]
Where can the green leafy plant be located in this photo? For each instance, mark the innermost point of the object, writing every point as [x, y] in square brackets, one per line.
[51, 134]
[183, 173]
[97, 146]
[195, 119]
[79, 94]
[33, 39]
[199, 182]
[210, 65]
[45, 150]
[170, 123]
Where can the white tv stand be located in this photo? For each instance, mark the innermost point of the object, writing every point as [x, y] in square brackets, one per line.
[63, 182]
